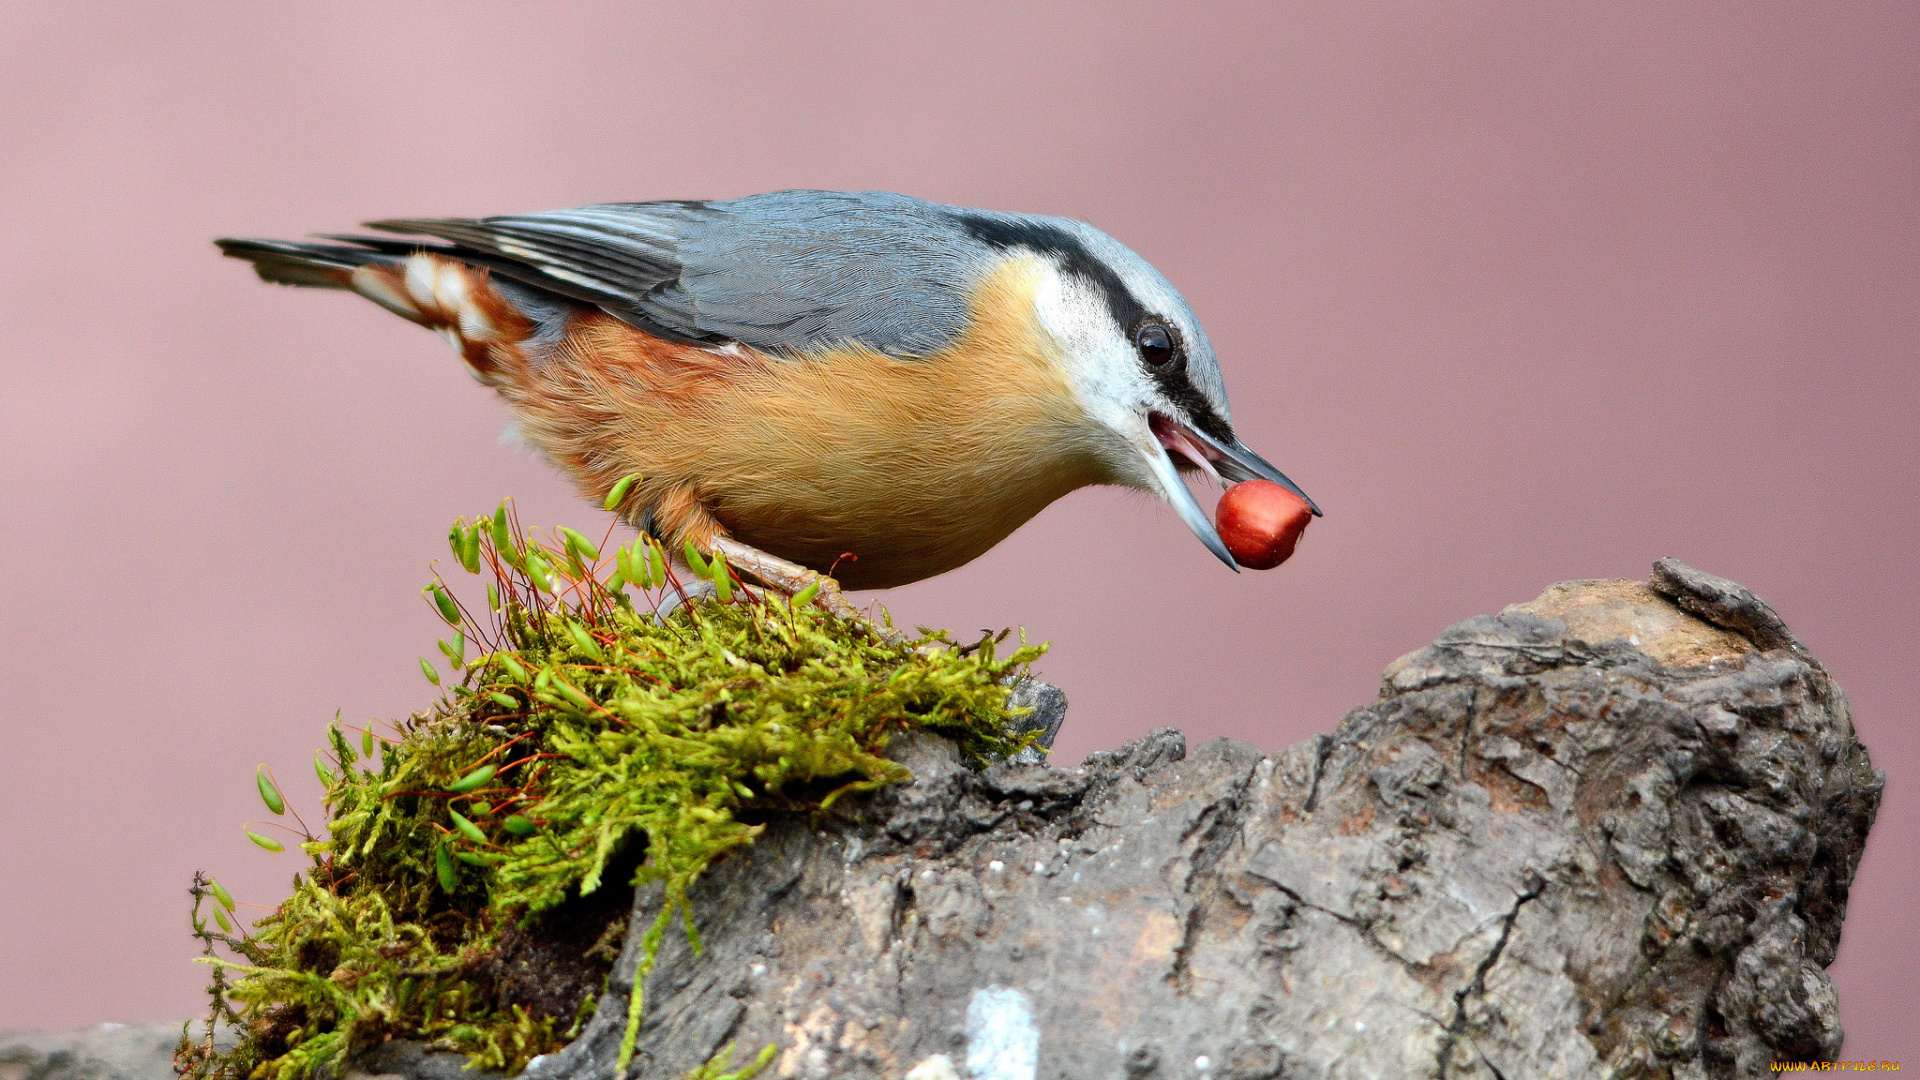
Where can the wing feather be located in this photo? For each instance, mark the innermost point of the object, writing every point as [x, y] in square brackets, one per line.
[788, 273]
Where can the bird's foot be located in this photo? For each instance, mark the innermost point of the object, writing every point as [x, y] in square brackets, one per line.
[791, 578]
[679, 593]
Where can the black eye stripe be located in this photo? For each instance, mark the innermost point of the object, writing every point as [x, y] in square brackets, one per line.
[1128, 312]
[1071, 255]
[1195, 404]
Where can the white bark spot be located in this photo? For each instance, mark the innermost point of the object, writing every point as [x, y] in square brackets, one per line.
[1002, 1041]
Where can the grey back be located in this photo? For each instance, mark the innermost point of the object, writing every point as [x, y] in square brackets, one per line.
[790, 272]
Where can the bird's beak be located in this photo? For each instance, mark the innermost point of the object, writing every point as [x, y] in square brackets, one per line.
[1235, 463]
[1225, 462]
[1175, 490]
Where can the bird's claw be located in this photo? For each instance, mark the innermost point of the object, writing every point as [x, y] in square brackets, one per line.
[792, 578]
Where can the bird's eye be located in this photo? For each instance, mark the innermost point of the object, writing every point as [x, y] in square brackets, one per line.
[1156, 346]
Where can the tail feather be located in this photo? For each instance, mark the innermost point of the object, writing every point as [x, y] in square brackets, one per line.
[326, 266]
[437, 289]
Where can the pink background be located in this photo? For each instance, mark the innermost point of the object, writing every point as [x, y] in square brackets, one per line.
[1519, 295]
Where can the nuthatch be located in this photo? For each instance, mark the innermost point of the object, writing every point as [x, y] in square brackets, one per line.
[811, 376]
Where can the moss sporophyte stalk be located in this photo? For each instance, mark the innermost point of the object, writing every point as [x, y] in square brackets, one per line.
[474, 881]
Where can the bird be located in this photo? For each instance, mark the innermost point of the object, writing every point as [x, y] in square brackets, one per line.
[861, 383]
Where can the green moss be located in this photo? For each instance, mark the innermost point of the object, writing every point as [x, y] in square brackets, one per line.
[585, 734]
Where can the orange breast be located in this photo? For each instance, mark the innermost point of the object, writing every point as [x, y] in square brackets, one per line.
[895, 469]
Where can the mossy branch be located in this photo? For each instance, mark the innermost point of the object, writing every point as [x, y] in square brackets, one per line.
[586, 728]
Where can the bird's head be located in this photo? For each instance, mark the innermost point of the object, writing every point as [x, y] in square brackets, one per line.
[1140, 363]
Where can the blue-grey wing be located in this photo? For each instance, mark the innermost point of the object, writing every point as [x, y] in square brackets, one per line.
[791, 272]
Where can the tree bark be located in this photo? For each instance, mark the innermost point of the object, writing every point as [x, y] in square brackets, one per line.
[1607, 833]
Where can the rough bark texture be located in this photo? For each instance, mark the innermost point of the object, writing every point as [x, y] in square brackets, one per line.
[1608, 833]
[101, 1052]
